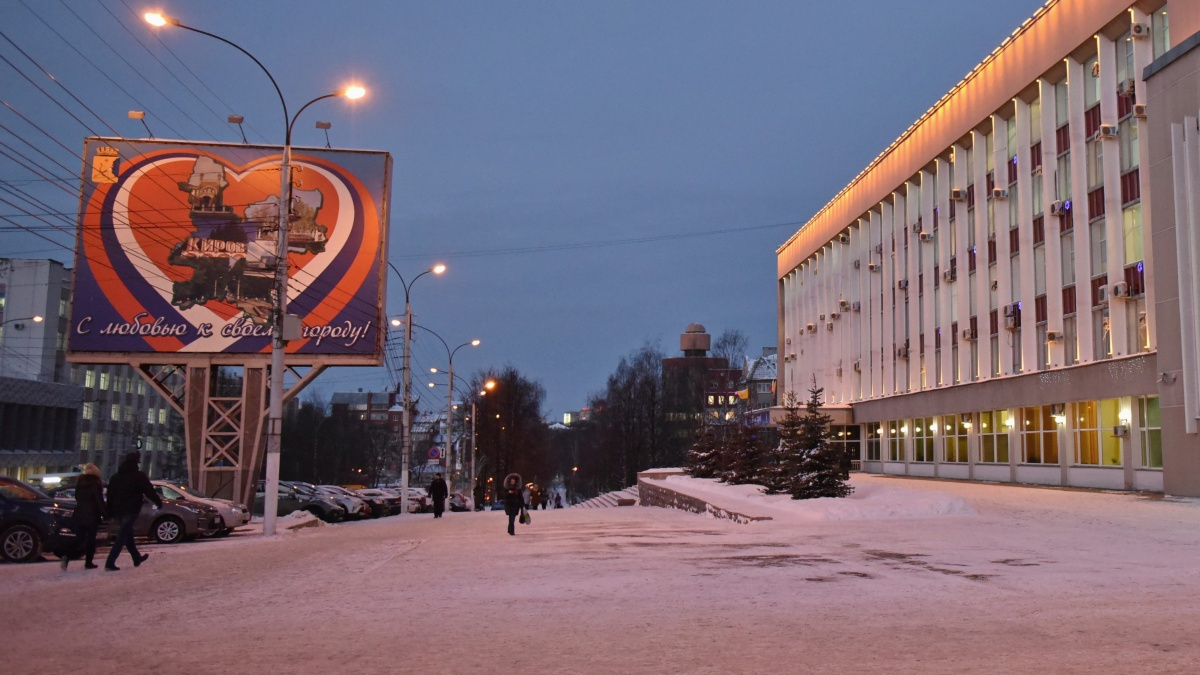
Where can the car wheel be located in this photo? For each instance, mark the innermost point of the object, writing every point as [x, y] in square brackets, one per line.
[168, 530]
[225, 532]
[21, 543]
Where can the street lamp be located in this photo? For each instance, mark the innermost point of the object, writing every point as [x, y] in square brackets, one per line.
[449, 390]
[36, 318]
[406, 432]
[278, 339]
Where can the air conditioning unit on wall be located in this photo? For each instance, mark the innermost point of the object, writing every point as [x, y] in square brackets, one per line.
[926, 237]
[968, 334]
[1139, 110]
[902, 352]
[999, 193]
[958, 194]
[1053, 336]
[1108, 131]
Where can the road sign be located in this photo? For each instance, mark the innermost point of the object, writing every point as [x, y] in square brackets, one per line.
[435, 452]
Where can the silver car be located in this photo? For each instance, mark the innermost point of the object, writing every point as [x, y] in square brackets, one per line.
[232, 514]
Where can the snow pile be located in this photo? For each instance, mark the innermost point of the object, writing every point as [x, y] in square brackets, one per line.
[298, 520]
[869, 501]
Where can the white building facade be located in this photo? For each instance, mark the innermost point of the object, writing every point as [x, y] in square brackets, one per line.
[980, 300]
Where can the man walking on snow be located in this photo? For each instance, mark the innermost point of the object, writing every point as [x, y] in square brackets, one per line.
[127, 491]
[438, 492]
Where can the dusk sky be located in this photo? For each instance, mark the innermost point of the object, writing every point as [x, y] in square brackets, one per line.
[594, 175]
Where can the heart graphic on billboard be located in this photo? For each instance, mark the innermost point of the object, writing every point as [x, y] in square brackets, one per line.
[209, 246]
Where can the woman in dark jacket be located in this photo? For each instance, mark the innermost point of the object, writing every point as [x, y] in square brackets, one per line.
[514, 500]
[89, 510]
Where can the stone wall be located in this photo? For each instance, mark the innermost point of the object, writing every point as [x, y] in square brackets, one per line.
[653, 493]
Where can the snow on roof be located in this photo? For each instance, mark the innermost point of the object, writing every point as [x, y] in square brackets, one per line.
[762, 368]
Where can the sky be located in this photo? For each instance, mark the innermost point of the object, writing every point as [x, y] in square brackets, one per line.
[596, 176]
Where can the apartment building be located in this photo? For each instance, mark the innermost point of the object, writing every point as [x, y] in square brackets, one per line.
[980, 301]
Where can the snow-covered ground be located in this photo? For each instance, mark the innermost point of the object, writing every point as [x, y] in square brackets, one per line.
[908, 576]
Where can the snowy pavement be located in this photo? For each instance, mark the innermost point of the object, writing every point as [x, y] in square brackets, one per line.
[1023, 580]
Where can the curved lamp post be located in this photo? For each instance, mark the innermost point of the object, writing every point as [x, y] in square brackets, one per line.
[278, 340]
[36, 318]
[449, 389]
[406, 432]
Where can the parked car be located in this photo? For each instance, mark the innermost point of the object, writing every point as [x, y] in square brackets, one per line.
[459, 502]
[176, 521]
[379, 505]
[391, 499]
[232, 514]
[32, 522]
[291, 499]
[356, 506]
[351, 507]
[418, 500]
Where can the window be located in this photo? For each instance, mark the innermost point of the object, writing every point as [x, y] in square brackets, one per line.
[162, 415]
[89, 411]
[1095, 164]
[1150, 421]
[1131, 222]
[846, 438]
[104, 380]
[1160, 27]
[923, 439]
[1062, 108]
[1095, 443]
[85, 441]
[1091, 85]
[1039, 436]
[955, 428]
[874, 440]
[1067, 249]
[1099, 247]
[1063, 176]
[1070, 340]
[115, 412]
[150, 416]
[1101, 333]
[993, 435]
[1035, 117]
[896, 441]
[1128, 133]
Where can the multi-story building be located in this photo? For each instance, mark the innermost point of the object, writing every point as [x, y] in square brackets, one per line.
[118, 412]
[758, 381]
[980, 301]
[699, 382]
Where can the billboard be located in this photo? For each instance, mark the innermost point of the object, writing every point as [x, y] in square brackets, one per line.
[176, 250]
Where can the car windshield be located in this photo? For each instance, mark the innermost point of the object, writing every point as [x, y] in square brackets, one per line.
[19, 490]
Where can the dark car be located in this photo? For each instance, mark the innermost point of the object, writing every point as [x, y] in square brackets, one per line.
[293, 499]
[176, 521]
[31, 522]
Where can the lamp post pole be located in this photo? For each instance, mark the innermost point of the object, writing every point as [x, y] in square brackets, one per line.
[406, 431]
[278, 338]
[37, 318]
[449, 394]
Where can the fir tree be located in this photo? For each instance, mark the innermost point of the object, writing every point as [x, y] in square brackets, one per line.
[815, 469]
[775, 473]
[704, 456]
[746, 454]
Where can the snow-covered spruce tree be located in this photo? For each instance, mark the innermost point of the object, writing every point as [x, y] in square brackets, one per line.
[704, 454]
[816, 470]
[747, 455]
[776, 473]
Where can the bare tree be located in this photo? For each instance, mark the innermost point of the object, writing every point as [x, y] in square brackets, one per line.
[731, 345]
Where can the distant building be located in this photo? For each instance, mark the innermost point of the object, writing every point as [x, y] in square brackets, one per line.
[757, 383]
[699, 382]
[118, 411]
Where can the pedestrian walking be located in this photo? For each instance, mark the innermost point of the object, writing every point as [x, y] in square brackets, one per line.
[525, 495]
[514, 500]
[479, 495]
[438, 492]
[558, 500]
[127, 492]
[89, 510]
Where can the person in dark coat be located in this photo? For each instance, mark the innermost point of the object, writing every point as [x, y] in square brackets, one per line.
[438, 492]
[127, 491]
[89, 510]
[514, 500]
[479, 495]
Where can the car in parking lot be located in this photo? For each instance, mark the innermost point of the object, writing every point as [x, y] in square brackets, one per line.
[31, 522]
[293, 499]
[232, 514]
[356, 506]
[352, 508]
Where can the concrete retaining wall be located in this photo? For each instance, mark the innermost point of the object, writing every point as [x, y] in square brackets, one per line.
[653, 493]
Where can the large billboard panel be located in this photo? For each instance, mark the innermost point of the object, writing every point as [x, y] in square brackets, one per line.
[177, 247]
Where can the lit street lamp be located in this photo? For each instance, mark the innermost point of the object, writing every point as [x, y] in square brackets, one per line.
[449, 393]
[36, 318]
[278, 337]
[406, 431]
